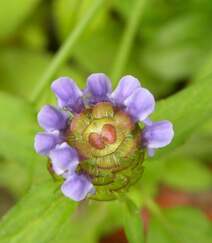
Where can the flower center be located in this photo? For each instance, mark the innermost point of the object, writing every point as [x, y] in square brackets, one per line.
[108, 142]
[106, 137]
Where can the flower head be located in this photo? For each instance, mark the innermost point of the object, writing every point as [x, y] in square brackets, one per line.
[99, 149]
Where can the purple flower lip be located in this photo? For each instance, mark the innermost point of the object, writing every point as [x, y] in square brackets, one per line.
[157, 135]
[77, 187]
[64, 158]
[51, 118]
[98, 88]
[46, 141]
[127, 85]
[140, 104]
[129, 97]
[68, 94]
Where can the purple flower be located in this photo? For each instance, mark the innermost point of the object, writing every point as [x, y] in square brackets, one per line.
[64, 159]
[45, 142]
[140, 104]
[68, 94]
[157, 135]
[90, 133]
[77, 187]
[98, 88]
[127, 85]
[51, 118]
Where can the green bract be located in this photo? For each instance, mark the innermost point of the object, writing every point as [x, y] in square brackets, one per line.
[109, 145]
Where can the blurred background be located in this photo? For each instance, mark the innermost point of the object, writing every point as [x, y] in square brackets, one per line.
[169, 49]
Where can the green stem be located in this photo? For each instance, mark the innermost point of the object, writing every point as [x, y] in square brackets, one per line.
[65, 51]
[127, 39]
[155, 210]
[132, 222]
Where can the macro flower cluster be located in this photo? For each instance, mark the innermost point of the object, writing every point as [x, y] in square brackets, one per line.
[96, 138]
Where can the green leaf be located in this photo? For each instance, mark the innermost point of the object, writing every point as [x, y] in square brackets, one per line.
[175, 38]
[178, 47]
[123, 6]
[17, 131]
[12, 15]
[132, 221]
[102, 218]
[19, 77]
[187, 110]
[14, 177]
[52, 218]
[177, 170]
[180, 225]
[67, 14]
[38, 216]
[205, 68]
[18, 126]
[187, 174]
[92, 54]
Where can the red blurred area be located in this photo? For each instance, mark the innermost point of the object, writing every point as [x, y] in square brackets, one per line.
[116, 237]
[169, 197]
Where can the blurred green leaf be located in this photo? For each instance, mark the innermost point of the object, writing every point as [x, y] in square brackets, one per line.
[174, 37]
[102, 218]
[180, 225]
[91, 51]
[148, 185]
[187, 174]
[14, 177]
[17, 131]
[19, 77]
[45, 207]
[123, 6]
[132, 221]
[187, 110]
[37, 217]
[13, 14]
[18, 126]
[34, 36]
[94, 56]
[176, 170]
[67, 14]
[198, 147]
[205, 69]
[178, 48]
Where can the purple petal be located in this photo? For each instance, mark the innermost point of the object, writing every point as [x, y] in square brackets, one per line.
[158, 135]
[98, 88]
[127, 85]
[77, 187]
[140, 104]
[50, 118]
[64, 159]
[147, 121]
[151, 152]
[45, 142]
[68, 94]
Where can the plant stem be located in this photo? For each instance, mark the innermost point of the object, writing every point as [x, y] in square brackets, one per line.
[132, 222]
[155, 210]
[65, 50]
[127, 39]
